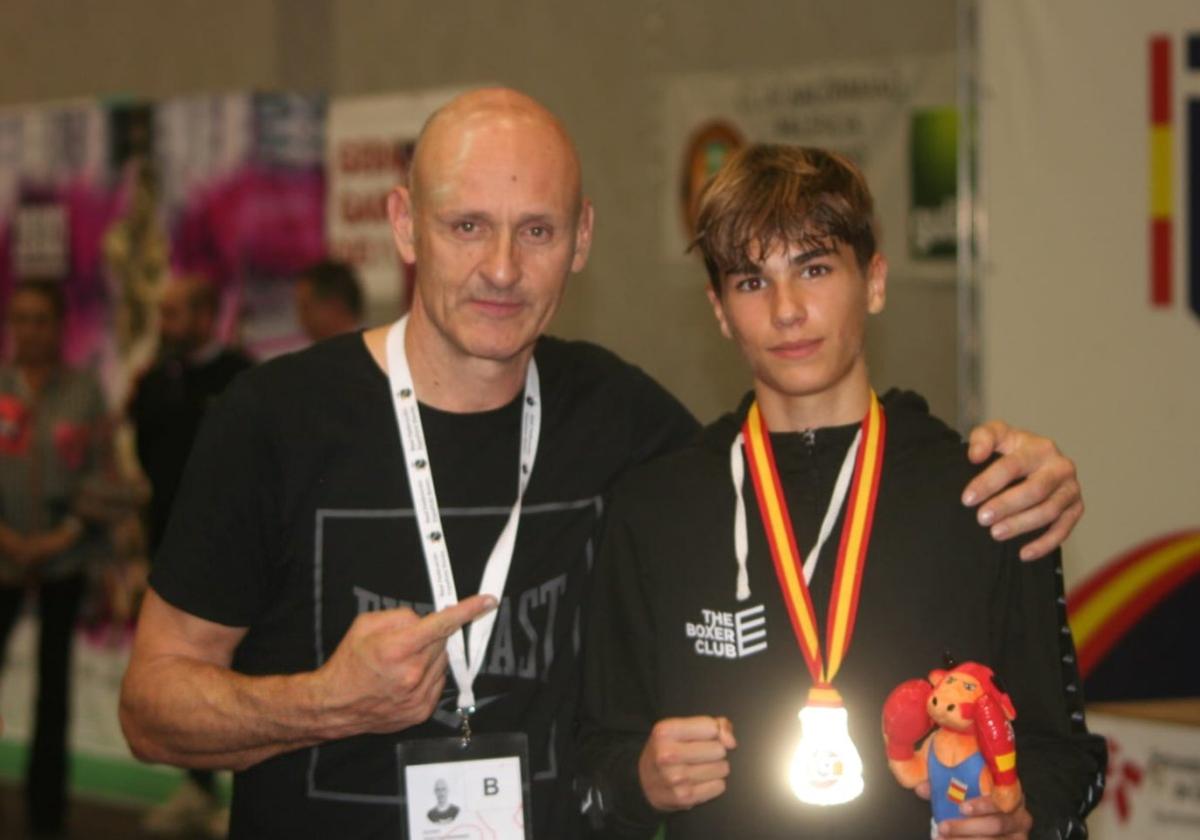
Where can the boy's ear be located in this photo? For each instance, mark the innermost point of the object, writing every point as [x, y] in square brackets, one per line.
[877, 270]
[718, 310]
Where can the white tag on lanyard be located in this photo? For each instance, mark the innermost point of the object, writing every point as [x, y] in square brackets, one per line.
[464, 666]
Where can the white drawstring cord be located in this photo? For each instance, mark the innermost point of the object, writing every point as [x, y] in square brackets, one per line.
[741, 545]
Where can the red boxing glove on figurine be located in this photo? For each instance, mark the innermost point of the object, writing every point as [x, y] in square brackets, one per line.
[905, 721]
[971, 753]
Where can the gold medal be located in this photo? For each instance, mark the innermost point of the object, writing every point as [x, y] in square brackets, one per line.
[826, 768]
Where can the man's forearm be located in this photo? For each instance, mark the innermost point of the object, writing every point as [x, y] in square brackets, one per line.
[181, 703]
[190, 713]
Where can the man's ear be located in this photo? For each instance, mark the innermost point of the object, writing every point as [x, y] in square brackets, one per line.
[718, 310]
[877, 270]
[400, 216]
[583, 236]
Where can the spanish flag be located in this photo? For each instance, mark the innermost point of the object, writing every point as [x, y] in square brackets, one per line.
[1162, 175]
[957, 791]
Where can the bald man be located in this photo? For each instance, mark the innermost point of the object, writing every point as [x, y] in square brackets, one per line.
[304, 612]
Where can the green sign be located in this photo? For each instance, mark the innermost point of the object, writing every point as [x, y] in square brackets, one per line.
[932, 228]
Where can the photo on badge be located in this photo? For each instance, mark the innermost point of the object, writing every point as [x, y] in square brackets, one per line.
[450, 791]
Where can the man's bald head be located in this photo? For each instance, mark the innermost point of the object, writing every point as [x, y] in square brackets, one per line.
[494, 222]
[187, 314]
[504, 116]
[195, 292]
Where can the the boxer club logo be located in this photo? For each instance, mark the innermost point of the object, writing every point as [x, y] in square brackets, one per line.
[1167, 73]
[728, 635]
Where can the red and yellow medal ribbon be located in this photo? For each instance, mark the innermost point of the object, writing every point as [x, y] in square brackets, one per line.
[852, 551]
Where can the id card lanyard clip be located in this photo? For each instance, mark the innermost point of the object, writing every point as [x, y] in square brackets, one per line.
[465, 661]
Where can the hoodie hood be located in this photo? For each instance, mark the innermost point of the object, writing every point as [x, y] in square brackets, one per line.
[910, 426]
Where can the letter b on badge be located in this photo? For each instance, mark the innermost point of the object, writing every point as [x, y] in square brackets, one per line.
[493, 784]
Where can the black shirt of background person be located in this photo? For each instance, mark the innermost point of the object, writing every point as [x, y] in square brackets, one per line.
[167, 408]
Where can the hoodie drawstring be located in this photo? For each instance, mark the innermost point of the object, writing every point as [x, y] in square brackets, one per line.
[741, 544]
[741, 548]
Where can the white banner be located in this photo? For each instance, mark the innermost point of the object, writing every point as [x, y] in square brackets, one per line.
[369, 142]
[1073, 345]
[894, 117]
[1089, 156]
[1153, 780]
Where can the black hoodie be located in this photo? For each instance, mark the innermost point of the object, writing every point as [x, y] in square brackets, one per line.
[664, 637]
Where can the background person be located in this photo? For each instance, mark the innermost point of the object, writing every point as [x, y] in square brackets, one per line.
[328, 299]
[51, 440]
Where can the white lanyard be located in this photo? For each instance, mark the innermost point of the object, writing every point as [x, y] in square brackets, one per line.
[741, 542]
[429, 518]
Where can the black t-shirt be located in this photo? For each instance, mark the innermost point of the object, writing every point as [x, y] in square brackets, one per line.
[294, 516]
[166, 410]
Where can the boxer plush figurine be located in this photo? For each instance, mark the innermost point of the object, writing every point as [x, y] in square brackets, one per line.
[971, 752]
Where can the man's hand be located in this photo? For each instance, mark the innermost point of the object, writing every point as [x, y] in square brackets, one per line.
[182, 703]
[16, 547]
[10, 541]
[35, 549]
[684, 761]
[388, 671]
[49, 544]
[19, 550]
[1048, 494]
[983, 819]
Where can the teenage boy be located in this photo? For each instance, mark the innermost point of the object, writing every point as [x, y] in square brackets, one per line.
[710, 629]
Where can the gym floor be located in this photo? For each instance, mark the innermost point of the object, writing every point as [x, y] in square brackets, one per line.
[87, 819]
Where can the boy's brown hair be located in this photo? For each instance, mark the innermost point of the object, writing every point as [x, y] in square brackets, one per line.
[768, 194]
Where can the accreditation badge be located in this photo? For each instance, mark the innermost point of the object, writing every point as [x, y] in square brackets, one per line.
[452, 788]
